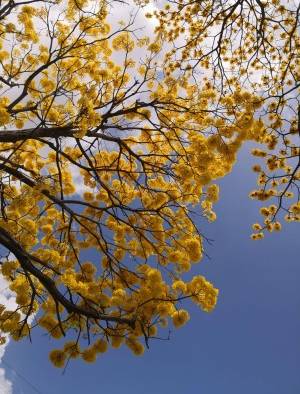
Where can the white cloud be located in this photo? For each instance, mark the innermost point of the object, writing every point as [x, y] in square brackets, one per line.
[5, 385]
[6, 298]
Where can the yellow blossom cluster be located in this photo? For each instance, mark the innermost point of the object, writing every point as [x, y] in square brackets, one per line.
[103, 160]
[264, 59]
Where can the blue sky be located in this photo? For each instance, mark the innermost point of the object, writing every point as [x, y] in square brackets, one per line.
[249, 344]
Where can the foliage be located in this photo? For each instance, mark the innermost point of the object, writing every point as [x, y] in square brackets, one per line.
[252, 45]
[111, 143]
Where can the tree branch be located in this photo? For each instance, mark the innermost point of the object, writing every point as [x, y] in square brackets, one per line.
[24, 259]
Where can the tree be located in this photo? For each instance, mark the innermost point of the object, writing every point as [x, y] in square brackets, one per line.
[250, 45]
[107, 157]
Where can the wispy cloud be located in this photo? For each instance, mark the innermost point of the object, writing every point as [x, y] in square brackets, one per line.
[6, 298]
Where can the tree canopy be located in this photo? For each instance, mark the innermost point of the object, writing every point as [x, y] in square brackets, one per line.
[111, 144]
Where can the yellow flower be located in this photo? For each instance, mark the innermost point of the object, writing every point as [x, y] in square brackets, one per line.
[58, 358]
[116, 341]
[179, 285]
[180, 318]
[256, 227]
[136, 347]
[193, 249]
[277, 226]
[100, 346]
[72, 349]
[89, 355]
[212, 193]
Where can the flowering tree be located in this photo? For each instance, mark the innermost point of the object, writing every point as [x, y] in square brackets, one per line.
[250, 45]
[110, 146]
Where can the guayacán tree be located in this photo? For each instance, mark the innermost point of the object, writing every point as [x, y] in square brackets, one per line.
[111, 144]
[251, 45]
